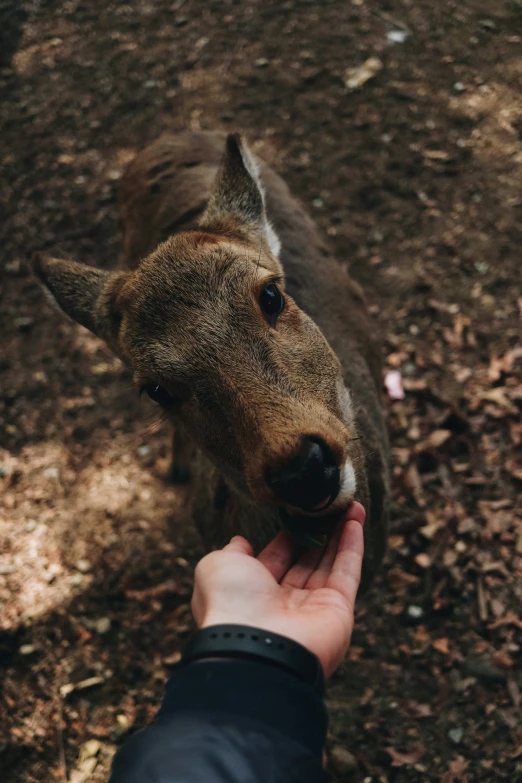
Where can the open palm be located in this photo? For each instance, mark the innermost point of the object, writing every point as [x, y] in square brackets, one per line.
[310, 600]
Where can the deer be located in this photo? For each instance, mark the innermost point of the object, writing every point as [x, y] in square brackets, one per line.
[235, 318]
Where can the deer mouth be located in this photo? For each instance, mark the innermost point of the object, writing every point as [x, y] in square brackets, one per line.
[324, 504]
[311, 529]
[315, 526]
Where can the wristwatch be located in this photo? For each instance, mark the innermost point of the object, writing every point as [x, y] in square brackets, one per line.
[247, 643]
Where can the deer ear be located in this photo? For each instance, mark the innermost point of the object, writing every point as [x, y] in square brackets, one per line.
[238, 194]
[86, 294]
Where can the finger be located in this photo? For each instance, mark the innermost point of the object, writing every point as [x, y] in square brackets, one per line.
[346, 570]
[239, 544]
[319, 576]
[357, 512]
[299, 574]
[278, 555]
[313, 569]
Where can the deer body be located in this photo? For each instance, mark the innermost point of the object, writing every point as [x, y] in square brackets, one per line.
[280, 410]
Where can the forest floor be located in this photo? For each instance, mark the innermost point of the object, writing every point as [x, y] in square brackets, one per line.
[416, 179]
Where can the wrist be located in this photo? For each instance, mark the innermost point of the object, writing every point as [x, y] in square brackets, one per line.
[246, 642]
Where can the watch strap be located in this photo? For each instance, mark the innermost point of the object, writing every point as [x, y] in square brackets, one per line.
[249, 643]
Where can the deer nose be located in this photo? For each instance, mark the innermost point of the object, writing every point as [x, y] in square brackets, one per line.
[310, 480]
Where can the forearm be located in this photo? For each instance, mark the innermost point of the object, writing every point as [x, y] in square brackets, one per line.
[229, 721]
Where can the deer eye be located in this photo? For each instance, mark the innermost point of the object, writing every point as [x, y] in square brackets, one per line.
[271, 302]
[158, 393]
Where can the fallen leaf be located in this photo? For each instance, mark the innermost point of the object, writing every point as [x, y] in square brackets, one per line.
[355, 78]
[503, 660]
[498, 396]
[434, 441]
[513, 469]
[171, 660]
[421, 635]
[423, 560]
[170, 586]
[405, 759]
[400, 580]
[463, 375]
[497, 607]
[416, 710]
[413, 481]
[509, 619]
[441, 307]
[441, 645]
[456, 771]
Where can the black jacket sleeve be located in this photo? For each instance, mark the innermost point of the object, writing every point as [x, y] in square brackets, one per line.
[229, 722]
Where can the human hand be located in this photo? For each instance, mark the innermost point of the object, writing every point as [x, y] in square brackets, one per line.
[310, 601]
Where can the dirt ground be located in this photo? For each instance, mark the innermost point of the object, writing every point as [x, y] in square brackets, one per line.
[416, 178]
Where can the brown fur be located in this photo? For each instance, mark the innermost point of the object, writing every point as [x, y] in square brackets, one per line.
[186, 317]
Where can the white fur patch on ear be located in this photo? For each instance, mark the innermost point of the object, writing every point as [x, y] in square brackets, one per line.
[273, 240]
[345, 402]
[252, 167]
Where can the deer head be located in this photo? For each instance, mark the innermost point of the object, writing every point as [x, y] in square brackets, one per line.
[211, 335]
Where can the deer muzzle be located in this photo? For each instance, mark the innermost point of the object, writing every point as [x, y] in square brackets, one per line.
[309, 481]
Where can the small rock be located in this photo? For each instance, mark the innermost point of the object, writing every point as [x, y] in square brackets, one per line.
[27, 649]
[84, 566]
[12, 267]
[76, 579]
[415, 612]
[341, 760]
[51, 473]
[318, 202]
[103, 625]
[456, 735]
[397, 36]
[144, 451]
[459, 87]
[123, 721]
[489, 25]
[30, 525]
[24, 324]
[261, 62]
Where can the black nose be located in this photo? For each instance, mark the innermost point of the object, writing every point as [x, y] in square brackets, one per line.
[310, 479]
